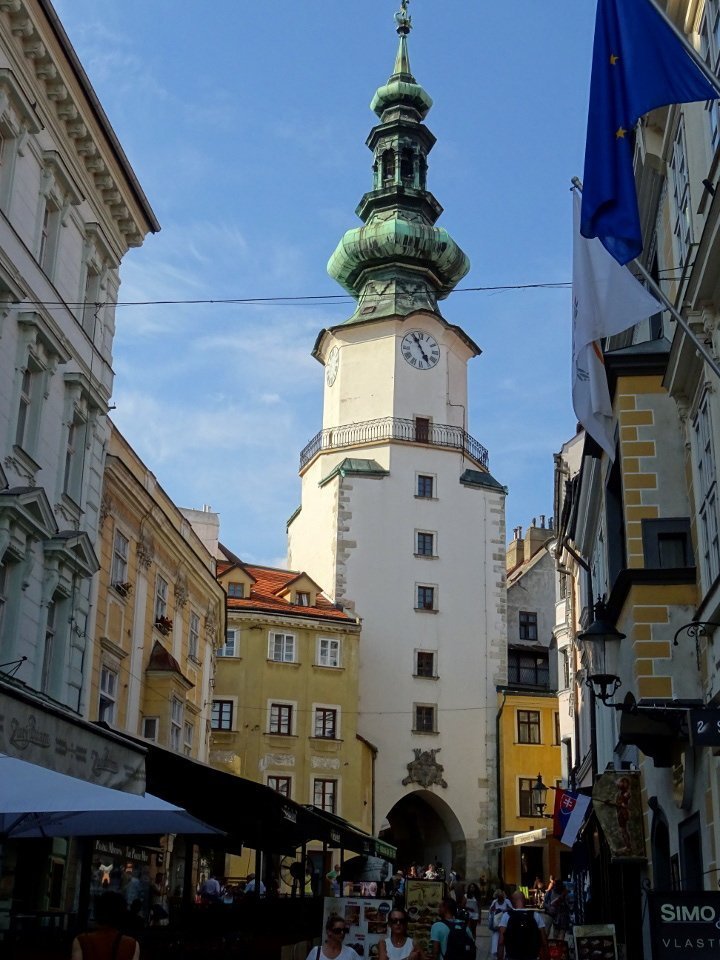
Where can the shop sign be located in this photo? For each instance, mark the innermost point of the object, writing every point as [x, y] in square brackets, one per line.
[289, 814]
[335, 836]
[595, 941]
[617, 802]
[517, 839]
[704, 727]
[685, 925]
[125, 852]
[31, 732]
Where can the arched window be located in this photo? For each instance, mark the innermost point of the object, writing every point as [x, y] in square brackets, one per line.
[388, 166]
[407, 173]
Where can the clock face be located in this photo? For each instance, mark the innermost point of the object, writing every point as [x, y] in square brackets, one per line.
[421, 350]
[331, 366]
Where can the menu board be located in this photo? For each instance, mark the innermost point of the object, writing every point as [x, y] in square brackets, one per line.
[422, 900]
[595, 942]
[365, 918]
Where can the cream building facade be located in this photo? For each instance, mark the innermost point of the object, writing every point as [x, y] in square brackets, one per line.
[160, 616]
[285, 697]
[401, 521]
[70, 208]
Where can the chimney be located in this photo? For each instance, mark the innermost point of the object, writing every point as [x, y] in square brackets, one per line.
[515, 551]
[536, 537]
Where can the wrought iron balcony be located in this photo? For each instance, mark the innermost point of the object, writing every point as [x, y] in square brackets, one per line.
[395, 428]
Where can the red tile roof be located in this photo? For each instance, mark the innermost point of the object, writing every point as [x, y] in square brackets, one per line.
[265, 592]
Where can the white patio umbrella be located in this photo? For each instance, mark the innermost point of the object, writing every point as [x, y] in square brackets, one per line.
[37, 802]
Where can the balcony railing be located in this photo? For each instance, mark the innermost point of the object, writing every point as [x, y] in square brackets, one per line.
[395, 428]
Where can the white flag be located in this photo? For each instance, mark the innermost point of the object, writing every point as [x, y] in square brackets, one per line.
[607, 299]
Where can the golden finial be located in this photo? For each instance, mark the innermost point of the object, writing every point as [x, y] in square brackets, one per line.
[403, 19]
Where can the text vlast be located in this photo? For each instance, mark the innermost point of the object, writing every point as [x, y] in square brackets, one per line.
[684, 924]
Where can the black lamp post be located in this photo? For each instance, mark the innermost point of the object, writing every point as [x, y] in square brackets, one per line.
[600, 632]
[539, 797]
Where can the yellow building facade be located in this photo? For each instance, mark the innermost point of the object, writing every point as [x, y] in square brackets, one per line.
[285, 701]
[160, 612]
[528, 728]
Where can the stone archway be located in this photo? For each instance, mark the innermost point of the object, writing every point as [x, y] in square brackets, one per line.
[424, 828]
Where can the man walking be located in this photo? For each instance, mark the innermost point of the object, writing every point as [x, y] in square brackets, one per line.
[522, 932]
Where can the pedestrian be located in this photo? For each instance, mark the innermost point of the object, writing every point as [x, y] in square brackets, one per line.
[333, 947]
[501, 904]
[430, 872]
[333, 878]
[472, 905]
[450, 938]
[106, 941]
[252, 885]
[522, 932]
[210, 889]
[398, 946]
[457, 887]
[558, 908]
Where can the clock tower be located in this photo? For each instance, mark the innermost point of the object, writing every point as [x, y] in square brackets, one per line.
[401, 520]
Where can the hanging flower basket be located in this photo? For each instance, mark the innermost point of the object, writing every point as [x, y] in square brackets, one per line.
[164, 625]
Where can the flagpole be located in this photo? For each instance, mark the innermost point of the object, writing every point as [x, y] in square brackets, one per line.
[709, 75]
[654, 288]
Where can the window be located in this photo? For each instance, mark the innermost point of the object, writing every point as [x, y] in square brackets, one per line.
[328, 652]
[425, 598]
[282, 647]
[302, 599]
[229, 648]
[3, 592]
[188, 737]
[108, 695]
[425, 486]
[528, 723]
[28, 387]
[710, 49]
[706, 494]
[121, 546]
[221, 717]
[666, 542]
[176, 723]
[556, 726]
[565, 664]
[194, 636]
[680, 179]
[161, 592]
[424, 718]
[48, 651]
[49, 235]
[325, 795]
[281, 716]
[326, 723]
[280, 785]
[527, 669]
[525, 802]
[528, 626]
[425, 546]
[72, 478]
[236, 590]
[150, 728]
[424, 663]
[422, 429]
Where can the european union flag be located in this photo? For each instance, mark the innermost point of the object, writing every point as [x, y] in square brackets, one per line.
[639, 63]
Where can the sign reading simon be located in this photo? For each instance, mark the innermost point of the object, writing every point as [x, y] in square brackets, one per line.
[685, 926]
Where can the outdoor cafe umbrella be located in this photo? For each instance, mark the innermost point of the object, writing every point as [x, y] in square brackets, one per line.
[37, 802]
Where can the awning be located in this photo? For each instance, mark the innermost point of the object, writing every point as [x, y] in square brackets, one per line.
[37, 802]
[516, 839]
[251, 814]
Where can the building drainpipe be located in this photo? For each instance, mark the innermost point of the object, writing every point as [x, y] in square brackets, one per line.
[498, 717]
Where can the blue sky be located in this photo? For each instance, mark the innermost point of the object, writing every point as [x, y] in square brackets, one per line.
[245, 123]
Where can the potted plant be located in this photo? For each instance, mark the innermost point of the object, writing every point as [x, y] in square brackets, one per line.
[164, 625]
[123, 588]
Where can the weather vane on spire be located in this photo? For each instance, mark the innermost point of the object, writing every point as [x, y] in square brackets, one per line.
[403, 19]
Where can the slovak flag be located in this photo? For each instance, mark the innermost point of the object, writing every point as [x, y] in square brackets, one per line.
[568, 815]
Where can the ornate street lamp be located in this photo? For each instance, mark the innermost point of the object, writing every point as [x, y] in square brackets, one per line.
[600, 632]
[539, 797]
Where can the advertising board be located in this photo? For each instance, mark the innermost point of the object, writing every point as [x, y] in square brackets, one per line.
[685, 925]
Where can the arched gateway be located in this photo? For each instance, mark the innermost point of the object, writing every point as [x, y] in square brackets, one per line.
[424, 828]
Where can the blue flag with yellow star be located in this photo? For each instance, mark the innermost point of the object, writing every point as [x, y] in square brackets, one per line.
[639, 64]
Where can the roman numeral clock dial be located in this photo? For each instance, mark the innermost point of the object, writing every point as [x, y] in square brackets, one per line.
[421, 350]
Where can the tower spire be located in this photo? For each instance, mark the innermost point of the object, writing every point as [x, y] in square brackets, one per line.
[398, 261]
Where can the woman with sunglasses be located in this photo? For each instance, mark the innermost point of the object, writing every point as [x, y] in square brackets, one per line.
[333, 947]
[398, 946]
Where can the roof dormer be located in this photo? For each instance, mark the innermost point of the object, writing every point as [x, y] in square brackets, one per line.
[301, 591]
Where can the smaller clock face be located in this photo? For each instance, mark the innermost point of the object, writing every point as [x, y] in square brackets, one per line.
[421, 350]
[331, 366]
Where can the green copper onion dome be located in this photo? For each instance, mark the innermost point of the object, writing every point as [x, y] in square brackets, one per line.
[399, 261]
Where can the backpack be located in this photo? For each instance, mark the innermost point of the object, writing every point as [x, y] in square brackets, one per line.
[460, 945]
[522, 937]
